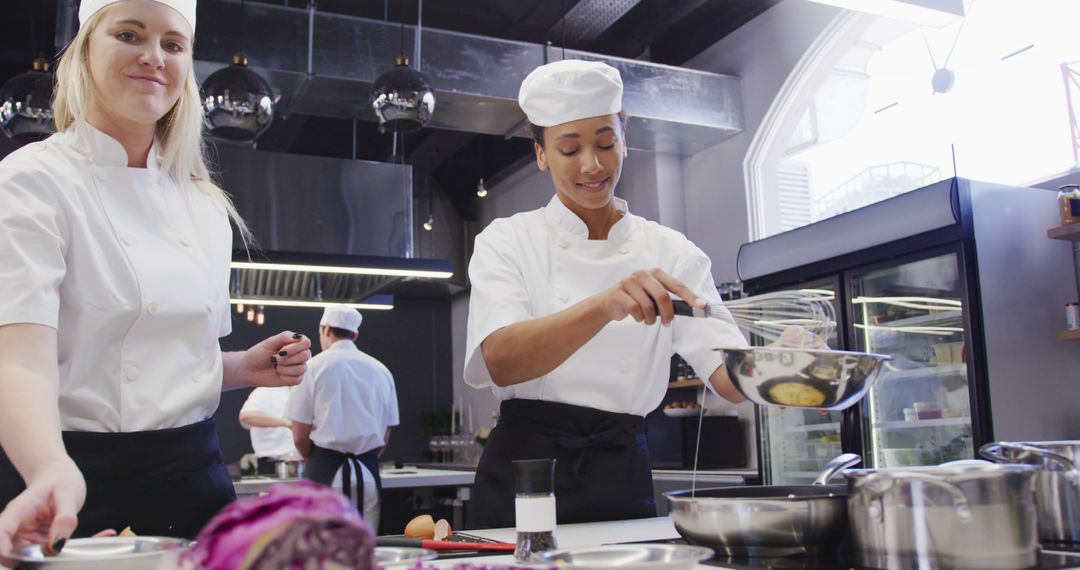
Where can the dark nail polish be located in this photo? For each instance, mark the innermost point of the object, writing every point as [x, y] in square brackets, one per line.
[283, 353]
[59, 545]
[296, 336]
[273, 360]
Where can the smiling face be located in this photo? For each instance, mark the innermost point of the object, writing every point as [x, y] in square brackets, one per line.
[139, 58]
[585, 158]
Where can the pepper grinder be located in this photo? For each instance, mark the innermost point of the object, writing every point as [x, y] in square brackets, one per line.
[534, 507]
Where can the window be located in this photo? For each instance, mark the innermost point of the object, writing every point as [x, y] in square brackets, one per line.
[880, 107]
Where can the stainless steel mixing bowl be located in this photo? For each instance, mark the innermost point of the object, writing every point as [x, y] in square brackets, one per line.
[802, 378]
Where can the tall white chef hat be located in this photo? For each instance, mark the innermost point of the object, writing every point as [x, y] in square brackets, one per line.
[342, 317]
[186, 8]
[569, 90]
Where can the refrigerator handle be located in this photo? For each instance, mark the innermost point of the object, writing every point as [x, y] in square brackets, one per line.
[851, 430]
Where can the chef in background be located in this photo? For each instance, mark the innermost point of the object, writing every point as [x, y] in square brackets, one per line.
[342, 414]
[263, 414]
[552, 290]
[114, 271]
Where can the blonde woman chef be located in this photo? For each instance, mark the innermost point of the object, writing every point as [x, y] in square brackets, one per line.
[114, 270]
[548, 327]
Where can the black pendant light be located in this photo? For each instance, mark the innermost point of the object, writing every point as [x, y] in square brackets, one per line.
[26, 113]
[402, 97]
[238, 103]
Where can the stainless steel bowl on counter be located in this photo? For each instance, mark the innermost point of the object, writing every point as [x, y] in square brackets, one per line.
[802, 378]
[1057, 484]
[971, 515]
[105, 553]
[633, 556]
[767, 522]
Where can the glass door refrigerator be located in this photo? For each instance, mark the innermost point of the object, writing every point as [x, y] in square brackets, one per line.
[959, 283]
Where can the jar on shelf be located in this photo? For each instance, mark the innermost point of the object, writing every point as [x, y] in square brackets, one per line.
[1069, 203]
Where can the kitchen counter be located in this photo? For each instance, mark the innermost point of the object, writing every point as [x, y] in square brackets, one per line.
[577, 535]
[404, 478]
[658, 474]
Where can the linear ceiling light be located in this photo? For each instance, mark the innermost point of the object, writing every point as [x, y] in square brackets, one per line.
[932, 13]
[342, 269]
[372, 304]
[343, 264]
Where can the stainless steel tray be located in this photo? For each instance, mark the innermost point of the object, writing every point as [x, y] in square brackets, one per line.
[635, 556]
[106, 553]
[389, 556]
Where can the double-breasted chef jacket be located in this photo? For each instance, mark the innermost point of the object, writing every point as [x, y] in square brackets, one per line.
[536, 263]
[588, 412]
[131, 268]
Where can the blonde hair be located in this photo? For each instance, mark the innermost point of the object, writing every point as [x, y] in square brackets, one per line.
[179, 132]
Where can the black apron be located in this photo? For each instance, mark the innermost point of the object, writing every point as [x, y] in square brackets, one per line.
[601, 470]
[322, 464]
[160, 483]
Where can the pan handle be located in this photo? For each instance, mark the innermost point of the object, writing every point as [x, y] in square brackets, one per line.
[878, 483]
[1009, 452]
[835, 465]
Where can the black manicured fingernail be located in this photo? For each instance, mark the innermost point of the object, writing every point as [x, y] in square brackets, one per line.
[273, 360]
[283, 353]
[296, 336]
[59, 545]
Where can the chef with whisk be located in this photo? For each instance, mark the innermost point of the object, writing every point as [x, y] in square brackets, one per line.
[571, 319]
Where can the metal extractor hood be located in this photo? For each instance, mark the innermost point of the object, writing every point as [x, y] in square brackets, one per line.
[325, 64]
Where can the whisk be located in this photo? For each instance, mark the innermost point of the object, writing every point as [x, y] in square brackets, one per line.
[768, 315]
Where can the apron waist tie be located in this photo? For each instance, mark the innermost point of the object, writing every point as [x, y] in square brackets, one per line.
[324, 463]
[616, 437]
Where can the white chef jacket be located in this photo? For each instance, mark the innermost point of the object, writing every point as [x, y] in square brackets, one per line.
[130, 268]
[271, 442]
[349, 398]
[536, 263]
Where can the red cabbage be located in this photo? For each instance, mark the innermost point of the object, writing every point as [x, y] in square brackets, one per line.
[295, 525]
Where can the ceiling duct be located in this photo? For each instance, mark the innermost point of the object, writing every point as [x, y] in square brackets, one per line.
[588, 19]
[325, 65]
[329, 230]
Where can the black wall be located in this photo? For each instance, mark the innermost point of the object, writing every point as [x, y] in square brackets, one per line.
[412, 340]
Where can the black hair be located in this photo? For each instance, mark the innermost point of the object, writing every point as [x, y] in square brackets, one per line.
[342, 333]
[538, 131]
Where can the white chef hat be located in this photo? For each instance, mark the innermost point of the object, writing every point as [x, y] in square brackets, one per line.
[342, 317]
[186, 8]
[569, 90]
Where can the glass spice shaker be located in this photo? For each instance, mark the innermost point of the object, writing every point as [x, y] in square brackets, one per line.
[534, 507]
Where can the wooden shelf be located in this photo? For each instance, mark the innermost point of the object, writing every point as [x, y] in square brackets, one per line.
[1070, 335]
[692, 383]
[1070, 232]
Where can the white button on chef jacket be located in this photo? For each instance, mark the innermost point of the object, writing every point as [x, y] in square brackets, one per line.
[521, 270]
[88, 247]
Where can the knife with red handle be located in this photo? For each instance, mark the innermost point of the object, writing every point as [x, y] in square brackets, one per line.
[442, 544]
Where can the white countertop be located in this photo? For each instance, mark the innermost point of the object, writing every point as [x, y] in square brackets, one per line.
[404, 478]
[576, 535]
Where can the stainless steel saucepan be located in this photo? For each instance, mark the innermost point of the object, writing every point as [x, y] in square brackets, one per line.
[768, 521]
[1057, 484]
[968, 515]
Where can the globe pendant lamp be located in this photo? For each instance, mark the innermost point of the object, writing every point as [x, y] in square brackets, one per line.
[402, 98]
[26, 104]
[238, 103]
